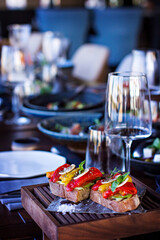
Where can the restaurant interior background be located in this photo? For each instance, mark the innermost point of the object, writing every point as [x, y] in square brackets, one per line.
[109, 23]
[117, 27]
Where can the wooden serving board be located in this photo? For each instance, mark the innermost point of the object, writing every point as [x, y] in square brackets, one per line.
[36, 199]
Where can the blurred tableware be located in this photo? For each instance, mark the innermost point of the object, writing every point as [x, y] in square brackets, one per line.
[128, 110]
[19, 35]
[149, 167]
[15, 70]
[63, 102]
[22, 144]
[60, 129]
[148, 62]
[54, 46]
[3, 107]
[24, 164]
[42, 102]
[100, 152]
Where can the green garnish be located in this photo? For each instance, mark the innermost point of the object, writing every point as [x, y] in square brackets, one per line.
[114, 172]
[119, 198]
[89, 185]
[118, 181]
[97, 121]
[59, 127]
[155, 144]
[81, 168]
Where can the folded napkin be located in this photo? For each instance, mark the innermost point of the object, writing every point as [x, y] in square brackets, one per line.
[14, 206]
[11, 201]
[13, 185]
[157, 178]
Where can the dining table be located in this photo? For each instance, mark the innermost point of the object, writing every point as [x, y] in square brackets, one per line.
[18, 224]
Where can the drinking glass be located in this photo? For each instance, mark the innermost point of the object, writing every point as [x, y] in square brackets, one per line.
[52, 46]
[148, 62]
[19, 35]
[14, 71]
[127, 109]
[103, 152]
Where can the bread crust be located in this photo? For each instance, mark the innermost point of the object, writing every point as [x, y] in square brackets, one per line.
[117, 206]
[74, 196]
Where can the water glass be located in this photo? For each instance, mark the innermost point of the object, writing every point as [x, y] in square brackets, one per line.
[102, 152]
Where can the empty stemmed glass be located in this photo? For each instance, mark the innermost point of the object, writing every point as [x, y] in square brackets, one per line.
[127, 109]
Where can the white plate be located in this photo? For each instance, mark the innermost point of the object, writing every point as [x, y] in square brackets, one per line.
[24, 164]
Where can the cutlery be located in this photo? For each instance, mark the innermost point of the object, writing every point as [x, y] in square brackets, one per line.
[62, 103]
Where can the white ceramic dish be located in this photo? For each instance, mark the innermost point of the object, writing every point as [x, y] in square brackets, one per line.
[25, 164]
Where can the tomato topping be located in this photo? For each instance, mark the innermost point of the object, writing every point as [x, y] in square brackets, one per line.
[56, 175]
[92, 174]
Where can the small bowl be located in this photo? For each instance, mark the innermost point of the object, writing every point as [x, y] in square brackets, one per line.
[22, 144]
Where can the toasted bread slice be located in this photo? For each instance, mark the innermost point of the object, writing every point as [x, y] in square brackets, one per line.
[117, 206]
[74, 196]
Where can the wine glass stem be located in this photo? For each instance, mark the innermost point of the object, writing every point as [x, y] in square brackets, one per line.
[128, 143]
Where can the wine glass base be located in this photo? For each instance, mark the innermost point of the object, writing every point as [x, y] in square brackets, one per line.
[18, 121]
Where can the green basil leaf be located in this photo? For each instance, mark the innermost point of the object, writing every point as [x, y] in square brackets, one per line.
[118, 181]
[114, 185]
[81, 168]
[125, 175]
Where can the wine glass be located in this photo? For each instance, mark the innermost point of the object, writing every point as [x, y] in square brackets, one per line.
[14, 71]
[127, 109]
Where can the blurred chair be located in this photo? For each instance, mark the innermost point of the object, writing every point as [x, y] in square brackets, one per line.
[118, 29]
[72, 23]
[90, 64]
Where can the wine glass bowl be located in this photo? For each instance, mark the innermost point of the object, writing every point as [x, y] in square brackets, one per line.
[127, 109]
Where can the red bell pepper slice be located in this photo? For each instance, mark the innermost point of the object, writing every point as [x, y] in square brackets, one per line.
[96, 186]
[108, 193]
[92, 174]
[127, 188]
[56, 175]
[115, 175]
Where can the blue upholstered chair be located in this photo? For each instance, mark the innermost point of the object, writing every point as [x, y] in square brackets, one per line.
[117, 29]
[73, 23]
